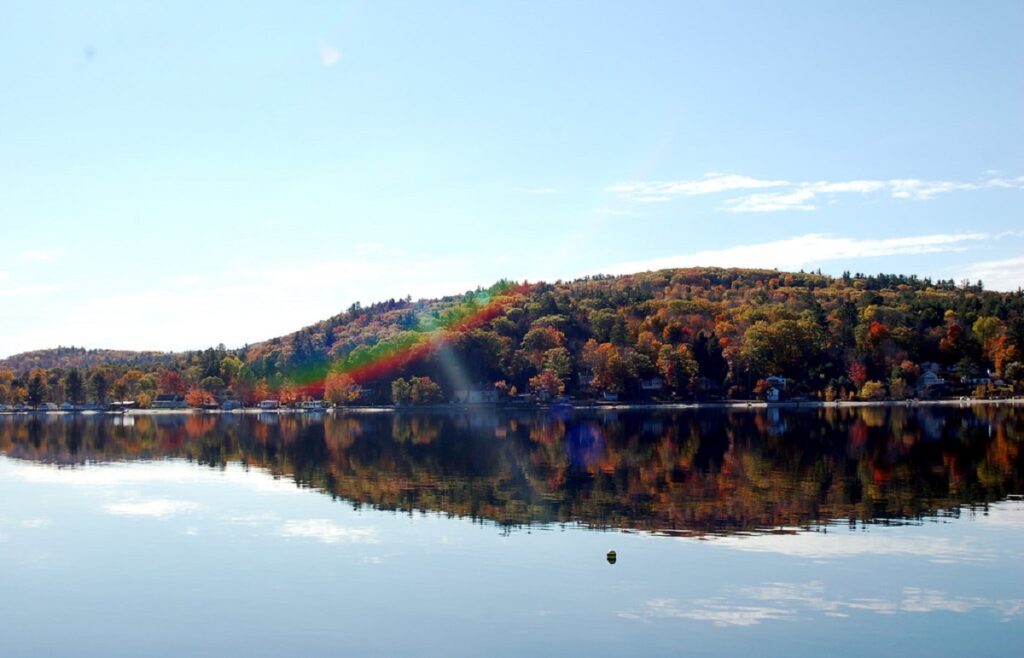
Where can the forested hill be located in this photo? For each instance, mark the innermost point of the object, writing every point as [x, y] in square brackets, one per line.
[671, 334]
[80, 357]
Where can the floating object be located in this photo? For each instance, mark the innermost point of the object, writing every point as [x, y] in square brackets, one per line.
[611, 557]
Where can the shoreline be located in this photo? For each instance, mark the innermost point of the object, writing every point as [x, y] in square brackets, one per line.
[462, 408]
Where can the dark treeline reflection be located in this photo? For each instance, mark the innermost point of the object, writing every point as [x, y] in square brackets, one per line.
[692, 472]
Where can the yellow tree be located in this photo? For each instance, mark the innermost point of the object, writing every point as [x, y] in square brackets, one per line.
[340, 388]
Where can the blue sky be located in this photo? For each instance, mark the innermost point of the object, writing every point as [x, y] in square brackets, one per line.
[174, 175]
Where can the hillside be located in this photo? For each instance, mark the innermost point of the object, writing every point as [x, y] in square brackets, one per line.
[80, 357]
[672, 334]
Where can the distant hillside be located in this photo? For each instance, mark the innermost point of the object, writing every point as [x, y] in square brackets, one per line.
[80, 357]
[696, 333]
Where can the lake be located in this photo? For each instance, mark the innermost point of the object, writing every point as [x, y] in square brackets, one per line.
[801, 532]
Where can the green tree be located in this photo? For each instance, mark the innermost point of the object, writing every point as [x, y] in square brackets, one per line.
[401, 391]
[677, 366]
[559, 361]
[786, 347]
[74, 386]
[36, 389]
[99, 386]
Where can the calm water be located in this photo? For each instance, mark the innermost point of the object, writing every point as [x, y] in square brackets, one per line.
[802, 533]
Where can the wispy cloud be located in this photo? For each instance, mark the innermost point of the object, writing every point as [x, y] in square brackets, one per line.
[1006, 274]
[800, 195]
[803, 250]
[329, 55]
[772, 202]
[161, 315]
[711, 183]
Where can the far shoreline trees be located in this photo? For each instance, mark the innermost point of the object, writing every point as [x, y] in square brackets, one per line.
[688, 334]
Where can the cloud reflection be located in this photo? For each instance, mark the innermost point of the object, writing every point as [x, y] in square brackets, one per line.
[786, 601]
[328, 532]
[843, 544]
[161, 508]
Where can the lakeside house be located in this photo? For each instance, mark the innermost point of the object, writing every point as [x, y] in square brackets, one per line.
[931, 383]
[652, 384]
[475, 396]
[776, 387]
[270, 404]
[169, 401]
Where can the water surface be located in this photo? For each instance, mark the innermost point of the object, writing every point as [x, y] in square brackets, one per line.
[801, 532]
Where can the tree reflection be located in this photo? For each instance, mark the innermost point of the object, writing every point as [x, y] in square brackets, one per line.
[686, 472]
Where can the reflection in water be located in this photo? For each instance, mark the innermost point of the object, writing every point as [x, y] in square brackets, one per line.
[790, 601]
[688, 472]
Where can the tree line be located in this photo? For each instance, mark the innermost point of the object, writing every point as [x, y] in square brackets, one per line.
[683, 334]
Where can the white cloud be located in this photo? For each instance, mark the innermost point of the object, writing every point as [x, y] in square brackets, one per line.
[859, 186]
[772, 202]
[1006, 274]
[797, 195]
[711, 183]
[329, 55]
[161, 508]
[1006, 183]
[247, 302]
[803, 250]
[328, 532]
[920, 190]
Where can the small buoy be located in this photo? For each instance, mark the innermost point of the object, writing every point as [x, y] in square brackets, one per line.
[611, 557]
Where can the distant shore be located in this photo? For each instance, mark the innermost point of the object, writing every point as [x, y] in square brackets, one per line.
[603, 406]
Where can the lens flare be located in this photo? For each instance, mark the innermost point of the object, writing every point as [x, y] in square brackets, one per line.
[430, 334]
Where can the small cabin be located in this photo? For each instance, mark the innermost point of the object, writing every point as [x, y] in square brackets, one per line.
[270, 404]
[476, 396]
[169, 401]
[652, 384]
